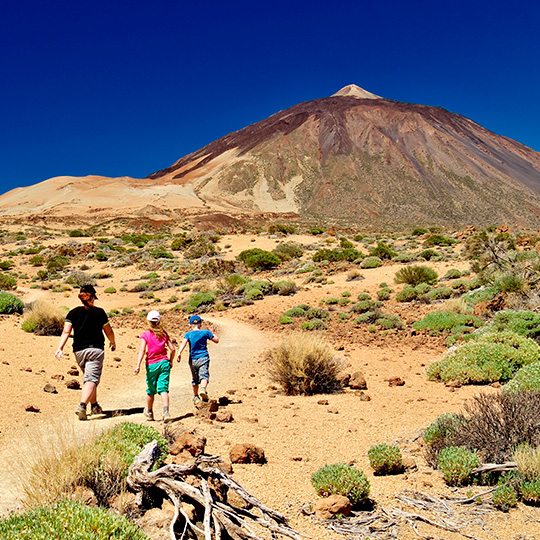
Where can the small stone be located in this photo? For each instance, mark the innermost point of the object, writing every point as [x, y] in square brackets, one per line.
[117, 359]
[223, 401]
[32, 408]
[496, 384]
[73, 384]
[329, 507]
[190, 442]
[297, 458]
[57, 377]
[73, 372]
[50, 389]
[364, 397]
[224, 416]
[396, 381]
[408, 463]
[358, 381]
[252, 420]
[29, 369]
[344, 378]
[322, 402]
[332, 410]
[453, 384]
[246, 453]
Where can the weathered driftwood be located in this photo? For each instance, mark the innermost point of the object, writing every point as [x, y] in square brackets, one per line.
[219, 516]
[495, 467]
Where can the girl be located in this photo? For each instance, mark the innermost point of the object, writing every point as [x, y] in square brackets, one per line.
[155, 343]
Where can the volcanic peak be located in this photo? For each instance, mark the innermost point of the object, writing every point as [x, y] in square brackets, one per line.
[352, 90]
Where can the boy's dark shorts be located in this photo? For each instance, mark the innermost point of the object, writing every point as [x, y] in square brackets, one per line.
[199, 369]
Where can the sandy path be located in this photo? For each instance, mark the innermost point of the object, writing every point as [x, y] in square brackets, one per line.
[239, 343]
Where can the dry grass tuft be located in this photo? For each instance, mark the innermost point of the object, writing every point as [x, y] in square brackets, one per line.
[304, 365]
[528, 461]
[43, 319]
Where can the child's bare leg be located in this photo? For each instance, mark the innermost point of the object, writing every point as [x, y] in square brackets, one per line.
[195, 389]
[165, 399]
[149, 402]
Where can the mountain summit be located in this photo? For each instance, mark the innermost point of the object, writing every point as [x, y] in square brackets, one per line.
[353, 158]
[355, 91]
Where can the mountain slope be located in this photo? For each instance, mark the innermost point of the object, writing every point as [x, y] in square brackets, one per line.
[354, 157]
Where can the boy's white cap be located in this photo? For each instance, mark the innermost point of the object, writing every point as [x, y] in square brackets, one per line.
[153, 316]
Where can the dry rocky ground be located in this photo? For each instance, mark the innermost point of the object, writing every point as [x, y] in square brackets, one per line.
[298, 434]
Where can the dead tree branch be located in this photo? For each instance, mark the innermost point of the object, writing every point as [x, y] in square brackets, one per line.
[204, 491]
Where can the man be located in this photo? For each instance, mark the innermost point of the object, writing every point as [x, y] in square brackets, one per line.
[88, 323]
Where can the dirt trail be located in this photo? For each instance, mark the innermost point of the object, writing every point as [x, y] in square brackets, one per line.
[239, 344]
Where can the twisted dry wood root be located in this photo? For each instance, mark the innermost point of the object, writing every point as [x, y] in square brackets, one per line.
[219, 516]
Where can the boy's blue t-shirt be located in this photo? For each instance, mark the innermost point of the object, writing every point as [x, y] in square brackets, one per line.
[197, 342]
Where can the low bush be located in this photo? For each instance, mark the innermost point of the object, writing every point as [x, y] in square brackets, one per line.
[314, 324]
[284, 288]
[7, 283]
[10, 304]
[504, 498]
[525, 378]
[69, 519]
[524, 323]
[453, 323]
[79, 278]
[383, 294]
[317, 313]
[297, 311]
[43, 319]
[453, 273]
[112, 290]
[304, 365]
[366, 305]
[198, 301]
[415, 274]
[527, 458]
[408, 294]
[439, 240]
[490, 358]
[440, 293]
[530, 491]
[259, 259]
[371, 262]
[483, 294]
[456, 464]
[37, 260]
[354, 275]
[440, 434]
[382, 251]
[428, 254]
[385, 459]
[57, 263]
[288, 251]
[341, 479]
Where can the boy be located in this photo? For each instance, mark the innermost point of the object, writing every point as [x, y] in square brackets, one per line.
[199, 359]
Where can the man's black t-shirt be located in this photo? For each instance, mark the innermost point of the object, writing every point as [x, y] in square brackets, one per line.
[88, 326]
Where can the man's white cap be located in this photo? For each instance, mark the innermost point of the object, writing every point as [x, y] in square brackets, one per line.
[153, 316]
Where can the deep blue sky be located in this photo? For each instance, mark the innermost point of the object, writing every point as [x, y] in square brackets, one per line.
[127, 87]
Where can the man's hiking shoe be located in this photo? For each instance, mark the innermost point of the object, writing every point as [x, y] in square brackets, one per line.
[196, 401]
[203, 394]
[166, 417]
[81, 412]
[95, 408]
[149, 415]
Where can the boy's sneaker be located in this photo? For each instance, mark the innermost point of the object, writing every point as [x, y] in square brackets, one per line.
[196, 401]
[203, 394]
[166, 417]
[81, 412]
[149, 415]
[95, 408]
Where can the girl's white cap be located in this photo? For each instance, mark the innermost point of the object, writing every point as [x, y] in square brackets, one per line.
[153, 316]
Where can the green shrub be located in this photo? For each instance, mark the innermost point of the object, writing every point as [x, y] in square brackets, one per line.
[43, 319]
[408, 294]
[366, 305]
[262, 286]
[259, 259]
[304, 365]
[285, 319]
[447, 321]
[415, 274]
[295, 312]
[492, 357]
[453, 273]
[428, 254]
[288, 251]
[456, 464]
[385, 459]
[110, 290]
[440, 293]
[69, 519]
[341, 479]
[316, 313]
[180, 242]
[101, 256]
[419, 231]
[200, 248]
[484, 294]
[388, 321]
[524, 323]
[281, 228]
[198, 301]
[371, 262]
[77, 233]
[37, 260]
[526, 378]
[79, 278]
[284, 288]
[10, 304]
[439, 240]
[504, 498]
[530, 491]
[314, 324]
[57, 263]
[441, 434]
[6, 265]
[343, 317]
[316, 231]
[7, 283]
[161, 253]
[382, 251]
[509, 283]
[383, 294]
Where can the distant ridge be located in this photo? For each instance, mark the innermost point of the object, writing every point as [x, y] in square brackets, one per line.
[353, 158]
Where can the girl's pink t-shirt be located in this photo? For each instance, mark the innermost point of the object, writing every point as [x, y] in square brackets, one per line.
[156, 350]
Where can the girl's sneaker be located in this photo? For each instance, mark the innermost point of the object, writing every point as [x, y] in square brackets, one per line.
[95, 408]
[166, 417]
[196, 401]
[149, 415]
[81, 412]
[203, 394]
